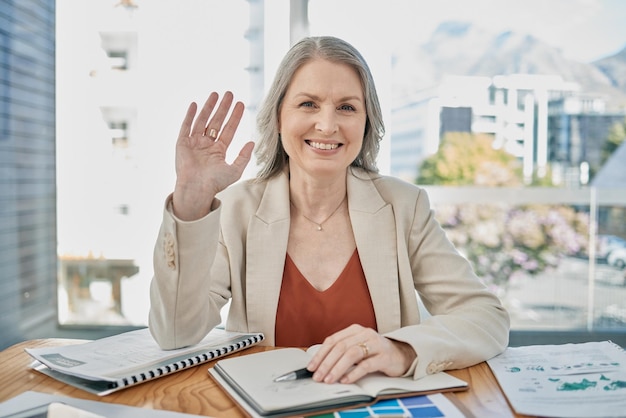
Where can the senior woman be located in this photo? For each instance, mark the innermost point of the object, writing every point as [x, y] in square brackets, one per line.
[319, 248]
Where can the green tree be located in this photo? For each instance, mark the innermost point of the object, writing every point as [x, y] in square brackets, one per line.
[470, 159]
[617, 135]
[503, 241]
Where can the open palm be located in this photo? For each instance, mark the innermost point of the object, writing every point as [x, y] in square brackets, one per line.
[201, 167]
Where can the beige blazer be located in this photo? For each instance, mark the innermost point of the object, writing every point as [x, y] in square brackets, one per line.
[237, 252]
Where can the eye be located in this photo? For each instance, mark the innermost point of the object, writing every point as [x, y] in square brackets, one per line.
[347, 108]
[306, 104]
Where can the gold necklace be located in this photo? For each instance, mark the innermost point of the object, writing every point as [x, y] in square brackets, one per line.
[319, 224]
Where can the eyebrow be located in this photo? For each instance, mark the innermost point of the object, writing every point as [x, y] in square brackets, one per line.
[314, 97]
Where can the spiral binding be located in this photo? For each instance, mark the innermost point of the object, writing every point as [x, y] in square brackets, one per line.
[186, 363]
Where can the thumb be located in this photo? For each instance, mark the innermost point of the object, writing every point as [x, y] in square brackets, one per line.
[244, 156]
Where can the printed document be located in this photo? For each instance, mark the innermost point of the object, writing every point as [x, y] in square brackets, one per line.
[586, 380]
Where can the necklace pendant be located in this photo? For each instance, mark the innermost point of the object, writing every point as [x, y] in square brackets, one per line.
[319, 227]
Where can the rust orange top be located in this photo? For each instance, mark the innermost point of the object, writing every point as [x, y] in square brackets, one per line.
[306, 316]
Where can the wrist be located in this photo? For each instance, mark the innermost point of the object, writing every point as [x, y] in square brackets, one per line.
[408, 355]
[190, 205]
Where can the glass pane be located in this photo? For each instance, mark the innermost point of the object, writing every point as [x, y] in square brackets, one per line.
[609, 296]
[125, 75]
[122, 91]
[535, 251]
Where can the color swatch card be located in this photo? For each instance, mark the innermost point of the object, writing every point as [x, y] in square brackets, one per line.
[423, 406]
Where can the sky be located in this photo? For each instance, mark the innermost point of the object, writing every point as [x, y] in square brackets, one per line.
[585, 30]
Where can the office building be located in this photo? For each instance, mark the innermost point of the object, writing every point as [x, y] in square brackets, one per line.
[513, 109]
[577, 130]
[28, 261]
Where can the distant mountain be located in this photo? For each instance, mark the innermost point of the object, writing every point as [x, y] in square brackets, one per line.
[615, 68]
[459, 48]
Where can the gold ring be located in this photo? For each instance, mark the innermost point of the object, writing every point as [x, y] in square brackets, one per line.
[366, 350]
[212, 132]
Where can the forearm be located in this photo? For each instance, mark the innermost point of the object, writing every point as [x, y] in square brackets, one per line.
[468, 323]
[457, 339]
[182, 310]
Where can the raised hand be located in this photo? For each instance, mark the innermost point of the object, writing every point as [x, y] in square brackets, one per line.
[201, 167]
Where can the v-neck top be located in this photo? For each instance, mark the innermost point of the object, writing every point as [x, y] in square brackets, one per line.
[306, 316]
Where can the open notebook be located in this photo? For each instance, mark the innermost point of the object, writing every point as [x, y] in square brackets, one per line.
[249, 380]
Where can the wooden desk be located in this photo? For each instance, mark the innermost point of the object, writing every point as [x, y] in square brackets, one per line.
[193, 391]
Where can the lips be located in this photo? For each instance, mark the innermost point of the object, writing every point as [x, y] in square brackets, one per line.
[323, 146]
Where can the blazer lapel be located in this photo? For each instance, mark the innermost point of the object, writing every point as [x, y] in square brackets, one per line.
[374, 231]
[266, 249]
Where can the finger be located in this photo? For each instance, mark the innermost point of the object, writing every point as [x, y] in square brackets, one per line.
[230, 128]
[327, 371]
[344, 336]
[243, 158]
[363, 368]
[321, 357]
[347, 362]
[185, 128]
[341, 358]
[205, 112]
[220, 115]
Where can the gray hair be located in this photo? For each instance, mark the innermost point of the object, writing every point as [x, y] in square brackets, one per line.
[269, 152]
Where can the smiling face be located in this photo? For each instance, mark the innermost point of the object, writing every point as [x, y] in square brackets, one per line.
[322, 118]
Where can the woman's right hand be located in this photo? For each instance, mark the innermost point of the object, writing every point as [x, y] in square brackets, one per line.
[201, 167]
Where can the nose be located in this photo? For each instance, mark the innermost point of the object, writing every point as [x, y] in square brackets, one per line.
[326, 123]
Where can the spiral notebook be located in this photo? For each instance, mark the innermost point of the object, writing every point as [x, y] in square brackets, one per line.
[113, 363]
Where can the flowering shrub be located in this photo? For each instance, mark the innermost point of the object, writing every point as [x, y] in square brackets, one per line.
[503, 242]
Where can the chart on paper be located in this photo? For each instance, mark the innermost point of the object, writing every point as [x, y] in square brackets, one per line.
[551, 380]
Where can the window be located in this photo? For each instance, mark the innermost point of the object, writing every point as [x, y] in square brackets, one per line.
[124, 78]
[448, 75]
[118, 60]
[119, 134]
[121, 48]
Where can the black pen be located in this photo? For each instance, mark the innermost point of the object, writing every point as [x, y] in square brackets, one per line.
[295, 375]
